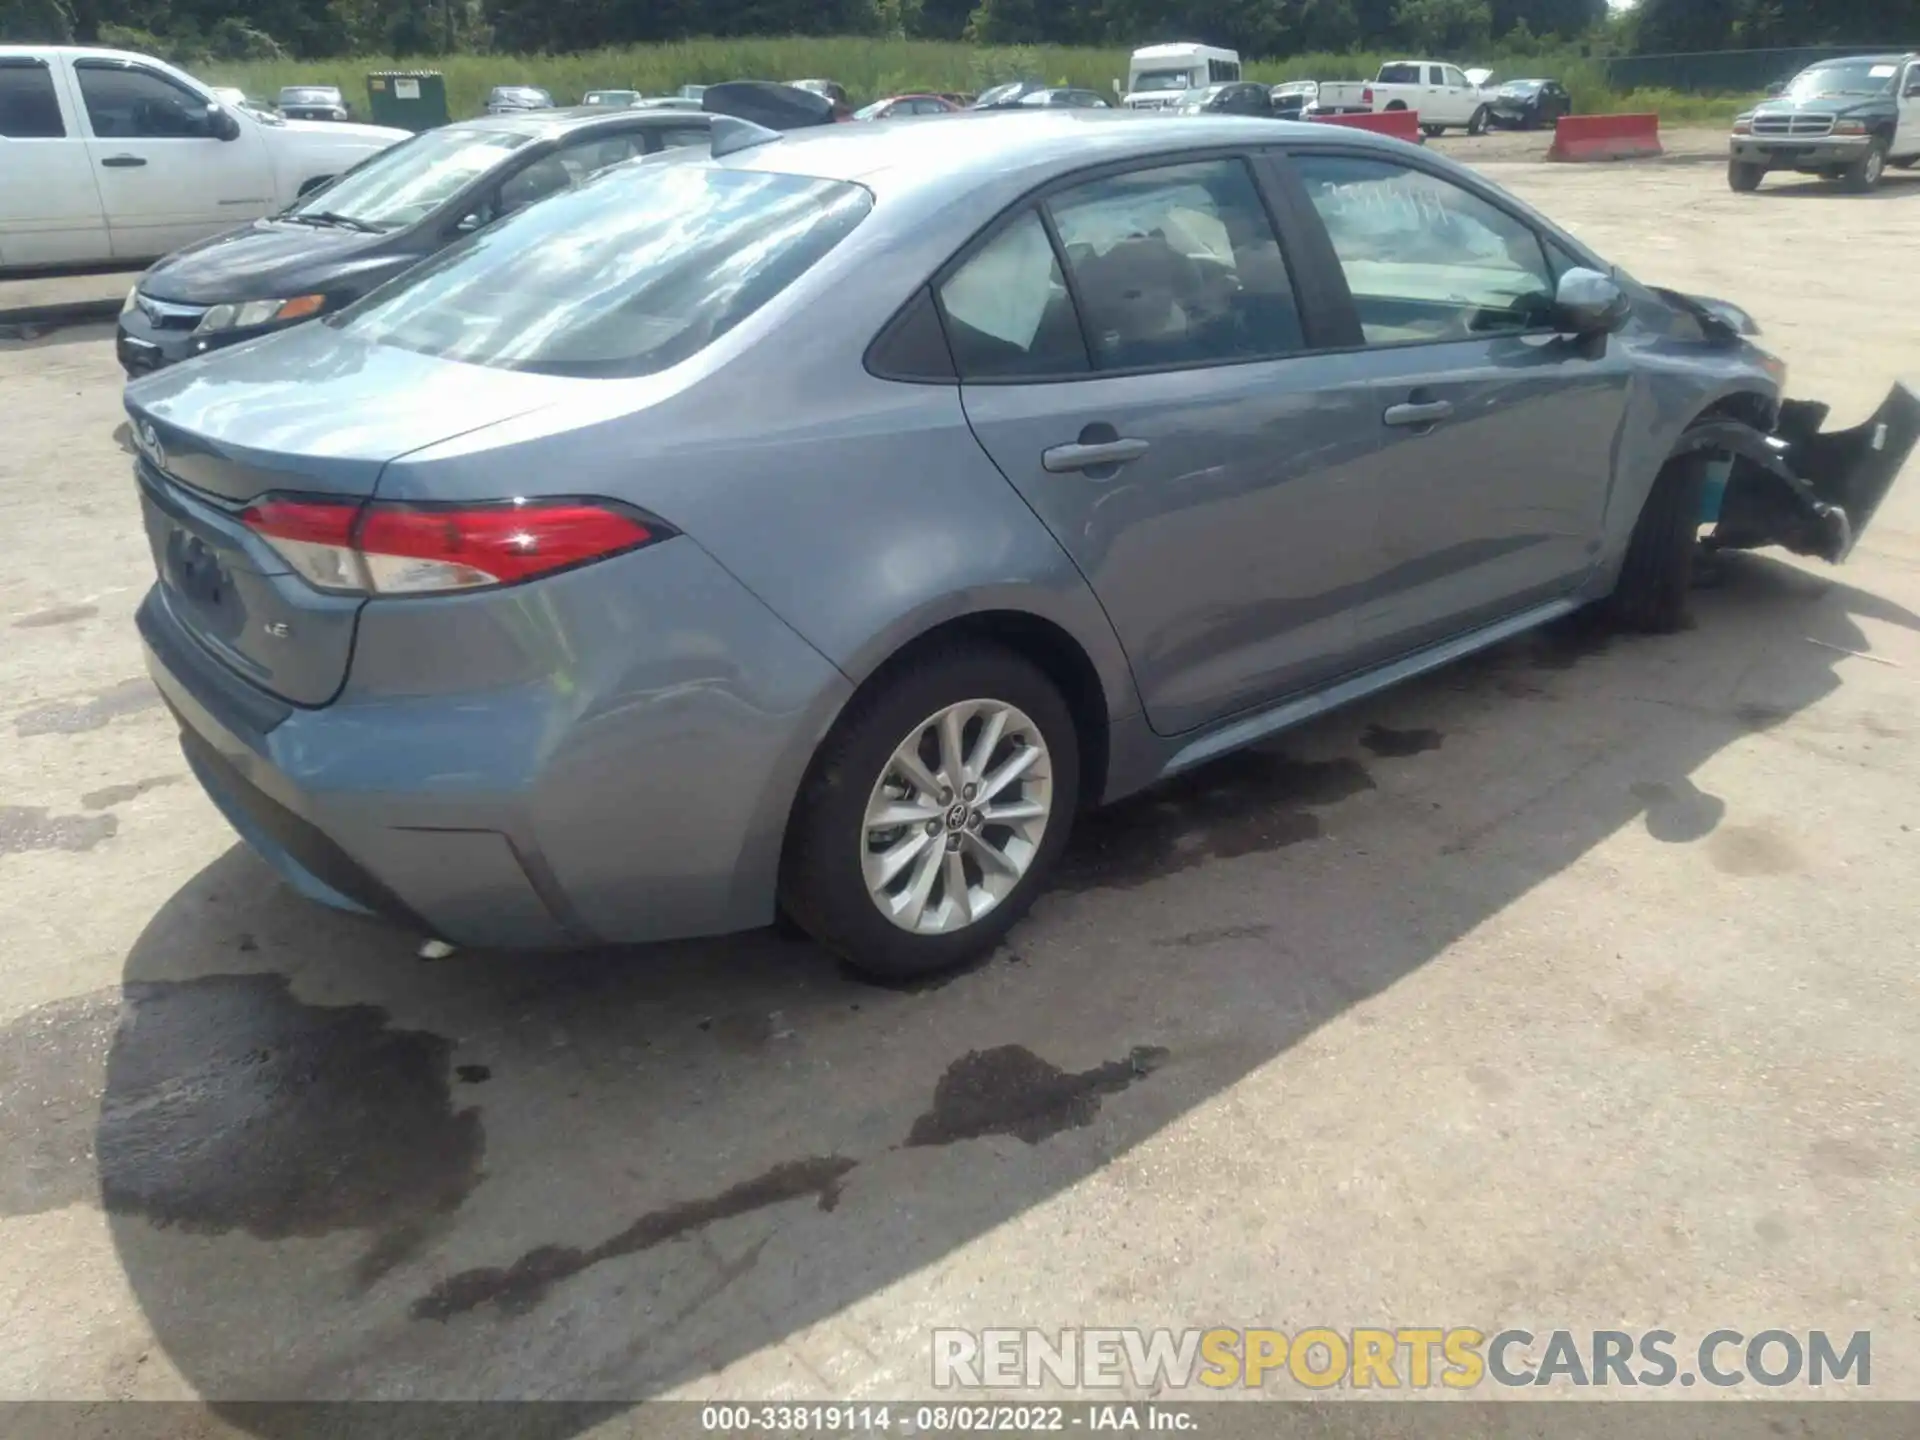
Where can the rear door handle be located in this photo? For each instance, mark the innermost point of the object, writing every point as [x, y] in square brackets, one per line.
[1430, 413]
[123, 162]
[1065, 459]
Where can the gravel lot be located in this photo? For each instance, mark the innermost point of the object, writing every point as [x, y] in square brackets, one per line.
[1572, 987]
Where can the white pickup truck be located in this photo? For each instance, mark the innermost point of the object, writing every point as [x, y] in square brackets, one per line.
[1445, 96]
[106, 155]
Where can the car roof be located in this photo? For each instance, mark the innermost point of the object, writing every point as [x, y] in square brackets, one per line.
[957, 151]
[539, 123]
[1889, 59]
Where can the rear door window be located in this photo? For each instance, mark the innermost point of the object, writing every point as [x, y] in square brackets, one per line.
[625, 277]
[29, 108]
[1425, 259]
[1176, 266]
[1007, 311]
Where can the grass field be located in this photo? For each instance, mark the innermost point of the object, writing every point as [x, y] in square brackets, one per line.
[871, 68]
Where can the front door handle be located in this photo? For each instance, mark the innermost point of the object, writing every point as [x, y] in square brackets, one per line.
[1065, 459]
[1430, 413]
[123, 162]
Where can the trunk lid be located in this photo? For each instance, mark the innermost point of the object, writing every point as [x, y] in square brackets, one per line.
[307, 412]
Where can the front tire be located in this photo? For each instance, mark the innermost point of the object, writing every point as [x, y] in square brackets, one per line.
[1651, 596]
[1433, 132]
[1864, 174]
[1744, 176]
[934, 813]
[1478, 124]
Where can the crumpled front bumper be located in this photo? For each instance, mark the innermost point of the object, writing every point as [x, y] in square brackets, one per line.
[1810, 491]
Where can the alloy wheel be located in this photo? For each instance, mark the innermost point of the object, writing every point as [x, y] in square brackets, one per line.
[956, 818]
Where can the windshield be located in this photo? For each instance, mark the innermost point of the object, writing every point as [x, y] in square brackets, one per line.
[1851, 77]
[1523, 87]
[523, 94]
[309, 95]
[1000, 94]
[610, 97]
[402, 186]
[1155, 80]
[631, 273]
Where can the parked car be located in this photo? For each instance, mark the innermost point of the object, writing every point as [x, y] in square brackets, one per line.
[1445, 96]
[1063, 97]
[1528, 104]
[1158, 75]
[691, 92]
[235, 98]
[376, 221]
[617, 99]
[125, 157]
[959, 99]
[511, 99]
[775, 106]
[832, 89]
[895, 106]
[313, 102]
[1293, 97]
[1007, 95]
[1240, 97]
[1846, 120]
[459, 632]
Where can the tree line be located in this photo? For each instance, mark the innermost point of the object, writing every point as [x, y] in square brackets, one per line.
[313, 29]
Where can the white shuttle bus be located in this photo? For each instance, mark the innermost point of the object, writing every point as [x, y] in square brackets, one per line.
[1158, 74]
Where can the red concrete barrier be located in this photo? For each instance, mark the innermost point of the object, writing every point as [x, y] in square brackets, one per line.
[1400, 124]
[1606, 137]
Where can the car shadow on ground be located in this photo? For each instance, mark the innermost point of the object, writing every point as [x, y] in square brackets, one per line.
[1894, 185]
[332, 1169]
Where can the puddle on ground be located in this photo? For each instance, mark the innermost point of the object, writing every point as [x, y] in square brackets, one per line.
[1012, 1091]
[224, 1104]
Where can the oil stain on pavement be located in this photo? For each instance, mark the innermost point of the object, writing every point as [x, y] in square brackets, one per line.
[57, 615]
[111, 795]
[1244, 804]
[1005, 1091]
[129, 697]
[224, 1104]
[1399, 744]
[34, 827]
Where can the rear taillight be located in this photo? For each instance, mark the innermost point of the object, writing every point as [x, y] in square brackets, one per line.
[1366, 96]
[388, 549]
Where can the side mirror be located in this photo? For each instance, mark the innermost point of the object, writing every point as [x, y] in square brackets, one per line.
[1589, 303]
[221, 124]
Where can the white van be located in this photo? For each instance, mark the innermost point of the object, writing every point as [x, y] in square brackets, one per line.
[1158, 74]
[106, 155]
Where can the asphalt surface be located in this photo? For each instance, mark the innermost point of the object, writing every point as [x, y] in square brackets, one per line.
[1571, 987]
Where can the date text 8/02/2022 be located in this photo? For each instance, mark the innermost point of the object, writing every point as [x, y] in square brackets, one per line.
[1362, 1358]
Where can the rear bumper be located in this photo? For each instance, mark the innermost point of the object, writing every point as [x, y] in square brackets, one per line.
[1779, 153]
[610, 762]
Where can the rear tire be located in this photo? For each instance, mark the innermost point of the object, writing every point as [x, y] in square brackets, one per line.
[1744, 176]
[1651, 595]
[835, 852]
[1864, 174]
[1478, 124]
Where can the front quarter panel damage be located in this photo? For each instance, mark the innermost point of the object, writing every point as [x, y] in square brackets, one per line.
[1810, 491]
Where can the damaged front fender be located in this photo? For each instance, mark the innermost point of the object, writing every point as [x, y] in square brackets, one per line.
[1808, 491]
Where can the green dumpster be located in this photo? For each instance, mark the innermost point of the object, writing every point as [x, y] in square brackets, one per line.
[410, 99]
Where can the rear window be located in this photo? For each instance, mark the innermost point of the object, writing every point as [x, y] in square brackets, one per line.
[627, 275]
[28, 107]
[1399, 75]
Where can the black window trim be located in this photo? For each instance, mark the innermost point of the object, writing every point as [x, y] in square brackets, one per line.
[1335, 279]
[1306, 300]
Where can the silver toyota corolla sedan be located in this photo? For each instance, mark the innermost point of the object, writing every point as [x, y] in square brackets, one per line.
[814, 529]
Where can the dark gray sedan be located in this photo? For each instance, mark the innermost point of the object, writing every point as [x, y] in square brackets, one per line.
[819, 527]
